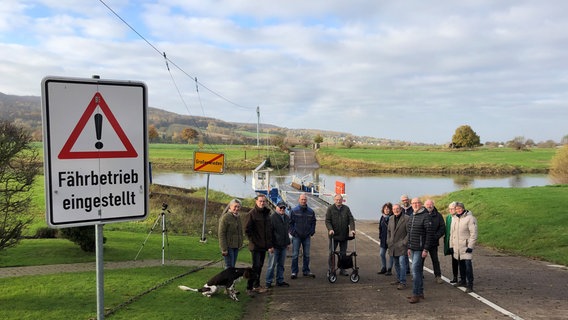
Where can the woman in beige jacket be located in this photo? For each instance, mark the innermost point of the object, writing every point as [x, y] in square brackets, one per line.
[463, 238]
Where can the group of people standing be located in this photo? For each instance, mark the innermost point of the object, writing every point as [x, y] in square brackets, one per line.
[273, 232]
[410, 232]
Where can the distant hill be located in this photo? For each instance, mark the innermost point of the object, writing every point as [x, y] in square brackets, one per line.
[26, 111]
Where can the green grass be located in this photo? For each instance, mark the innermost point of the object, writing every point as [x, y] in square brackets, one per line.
[180, 156]
[438, 159]
[43, 297]
[530, 222]
[119, 246]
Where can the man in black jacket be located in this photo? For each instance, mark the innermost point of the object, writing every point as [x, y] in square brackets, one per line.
[439, 229]
[280, 242]
[420, 240]
[340, 224]
[259, 232]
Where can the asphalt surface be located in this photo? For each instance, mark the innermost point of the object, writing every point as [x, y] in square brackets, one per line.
[505, 287]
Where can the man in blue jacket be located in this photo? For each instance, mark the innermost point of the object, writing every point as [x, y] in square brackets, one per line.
[302, 228]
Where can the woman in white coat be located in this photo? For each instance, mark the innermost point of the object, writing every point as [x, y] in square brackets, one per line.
[463, 238]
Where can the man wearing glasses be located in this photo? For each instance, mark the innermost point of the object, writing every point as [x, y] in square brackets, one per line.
[280, 242]
[420, 241]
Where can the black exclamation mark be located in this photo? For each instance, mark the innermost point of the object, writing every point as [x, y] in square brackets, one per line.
[99, 130]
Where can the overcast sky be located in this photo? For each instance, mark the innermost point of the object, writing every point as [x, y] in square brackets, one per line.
[404, 70]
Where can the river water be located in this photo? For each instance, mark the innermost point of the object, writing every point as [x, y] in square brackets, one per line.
[365, 194]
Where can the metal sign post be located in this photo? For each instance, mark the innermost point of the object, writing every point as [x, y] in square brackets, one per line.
[203, 238]
[209, 163]
[100, 272]
[96, 156]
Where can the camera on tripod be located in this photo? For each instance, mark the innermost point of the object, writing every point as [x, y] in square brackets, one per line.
[164, 206]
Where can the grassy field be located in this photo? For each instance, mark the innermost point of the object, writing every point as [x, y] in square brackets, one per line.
[437, 160]
[530, 222]
[180, 156]
[135, 293]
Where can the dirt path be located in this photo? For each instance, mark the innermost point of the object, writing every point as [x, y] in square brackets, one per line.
[523, 288]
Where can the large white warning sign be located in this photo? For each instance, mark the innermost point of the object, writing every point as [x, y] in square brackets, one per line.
[96, 158]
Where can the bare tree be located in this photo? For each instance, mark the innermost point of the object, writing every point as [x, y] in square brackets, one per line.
[19, 166]
[349, 141]
[518, 143]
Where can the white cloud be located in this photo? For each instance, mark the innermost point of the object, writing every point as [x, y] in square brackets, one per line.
[408, 70]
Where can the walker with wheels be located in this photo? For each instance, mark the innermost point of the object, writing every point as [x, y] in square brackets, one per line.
[338, 262]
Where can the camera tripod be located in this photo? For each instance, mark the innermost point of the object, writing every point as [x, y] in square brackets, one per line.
[165, 240]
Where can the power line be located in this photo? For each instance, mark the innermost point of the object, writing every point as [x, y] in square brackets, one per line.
[172, 62]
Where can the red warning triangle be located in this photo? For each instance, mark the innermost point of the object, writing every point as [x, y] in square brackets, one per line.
[66, 152]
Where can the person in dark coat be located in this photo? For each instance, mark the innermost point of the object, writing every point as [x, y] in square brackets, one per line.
[420, 240]
[396, 240]
[280, 242]
[340, 225]
[439, 229]
[406, 209]
[259, 232]
[386, 212]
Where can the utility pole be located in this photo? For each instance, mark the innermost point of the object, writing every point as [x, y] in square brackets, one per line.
[257, 125]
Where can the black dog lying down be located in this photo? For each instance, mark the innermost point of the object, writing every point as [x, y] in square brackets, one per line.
[224, 279]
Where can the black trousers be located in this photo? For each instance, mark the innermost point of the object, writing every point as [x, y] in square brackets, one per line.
[435, 261]
[257, 264]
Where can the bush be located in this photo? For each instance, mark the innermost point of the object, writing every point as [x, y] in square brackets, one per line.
[46, 233]
[559, 166]
[83, 236]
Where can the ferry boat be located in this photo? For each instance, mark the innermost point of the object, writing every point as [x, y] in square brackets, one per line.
[262, 184]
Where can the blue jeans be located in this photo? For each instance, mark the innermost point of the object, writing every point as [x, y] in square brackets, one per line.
[276, 261]
[383, 254]
[231, 257]
[417, 272]
[305, 242]
[400, 267]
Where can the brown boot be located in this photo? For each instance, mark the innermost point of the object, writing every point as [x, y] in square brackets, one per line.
[414, 299]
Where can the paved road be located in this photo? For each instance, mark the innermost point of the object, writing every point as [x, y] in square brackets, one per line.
[304, 158]
[523, 288]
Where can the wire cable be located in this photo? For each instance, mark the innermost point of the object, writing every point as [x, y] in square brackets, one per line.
[172, 62]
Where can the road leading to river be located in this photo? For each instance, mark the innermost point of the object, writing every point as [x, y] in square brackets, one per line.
[304, 158]
[505, 287]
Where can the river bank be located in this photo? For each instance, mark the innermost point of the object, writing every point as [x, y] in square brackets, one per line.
[362, 160]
